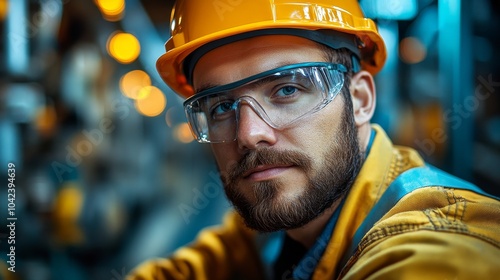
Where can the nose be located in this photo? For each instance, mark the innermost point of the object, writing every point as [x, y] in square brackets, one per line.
[252, 130]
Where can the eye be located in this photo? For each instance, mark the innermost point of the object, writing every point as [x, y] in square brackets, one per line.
[222, 108]
[286, 91]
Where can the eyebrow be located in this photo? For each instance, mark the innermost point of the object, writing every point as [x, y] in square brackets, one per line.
[205, 86]
[209, 85]
[254, 84]
[268, 79]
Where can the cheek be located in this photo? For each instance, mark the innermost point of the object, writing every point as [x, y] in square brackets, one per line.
[315, 134]
[225, 155]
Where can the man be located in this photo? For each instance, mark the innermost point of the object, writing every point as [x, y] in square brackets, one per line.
[283, 92]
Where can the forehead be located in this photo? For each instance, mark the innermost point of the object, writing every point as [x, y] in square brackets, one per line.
[248, 57]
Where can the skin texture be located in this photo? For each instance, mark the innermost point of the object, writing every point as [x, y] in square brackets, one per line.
[293, 178]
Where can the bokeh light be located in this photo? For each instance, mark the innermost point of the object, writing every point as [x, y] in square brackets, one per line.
[132, 82]
[169, 116]
[183, 133]
[151, 101]
[46, 121]
[112, 10]
[68, 204]
[4, 8]
[411, 50]
[124, 47]
[67, 209]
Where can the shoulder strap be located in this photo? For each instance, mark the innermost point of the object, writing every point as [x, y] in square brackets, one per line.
[408, 181]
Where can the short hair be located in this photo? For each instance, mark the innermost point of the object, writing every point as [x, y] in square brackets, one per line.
[344, 57]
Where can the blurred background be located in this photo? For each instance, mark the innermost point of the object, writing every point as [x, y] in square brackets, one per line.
[107, 173]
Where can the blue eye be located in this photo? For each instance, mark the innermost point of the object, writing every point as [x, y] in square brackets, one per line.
[287, 90]
[222, 108]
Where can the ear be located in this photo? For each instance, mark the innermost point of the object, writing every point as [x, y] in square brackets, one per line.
[363, 95]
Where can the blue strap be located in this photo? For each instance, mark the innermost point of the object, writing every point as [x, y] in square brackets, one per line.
[408, 181]
[269, 246]
[305, 268]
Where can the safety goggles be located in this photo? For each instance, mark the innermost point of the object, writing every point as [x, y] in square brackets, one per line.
[280, 97]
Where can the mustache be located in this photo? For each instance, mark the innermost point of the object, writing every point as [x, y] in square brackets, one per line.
[266, 156]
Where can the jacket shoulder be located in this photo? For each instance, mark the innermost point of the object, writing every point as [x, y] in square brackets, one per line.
[428, 255]
[449, 232]
[223, 252]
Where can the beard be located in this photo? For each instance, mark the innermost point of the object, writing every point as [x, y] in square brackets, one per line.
[267, 211]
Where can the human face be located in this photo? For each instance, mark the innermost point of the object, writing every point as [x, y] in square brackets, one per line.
[281, 179]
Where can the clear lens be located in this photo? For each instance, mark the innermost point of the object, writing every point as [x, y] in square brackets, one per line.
[280, 97]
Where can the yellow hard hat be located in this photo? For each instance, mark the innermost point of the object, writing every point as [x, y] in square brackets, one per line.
[203, 25]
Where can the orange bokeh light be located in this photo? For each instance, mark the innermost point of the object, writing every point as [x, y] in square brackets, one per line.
[4, 9]
[132, 83]
[183, 133]
[124, 47]
[150, 101]
[411, 50]
[112, 10]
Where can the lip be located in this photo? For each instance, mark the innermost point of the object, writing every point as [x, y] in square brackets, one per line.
[265, 172]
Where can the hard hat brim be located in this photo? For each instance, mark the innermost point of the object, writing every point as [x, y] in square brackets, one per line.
[170, 64]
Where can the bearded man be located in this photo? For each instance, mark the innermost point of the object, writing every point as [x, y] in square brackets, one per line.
[283, 92]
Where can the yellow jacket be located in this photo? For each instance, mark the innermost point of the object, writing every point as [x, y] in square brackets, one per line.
[431, 233]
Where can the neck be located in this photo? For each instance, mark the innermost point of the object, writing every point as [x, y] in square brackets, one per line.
[307, 234]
